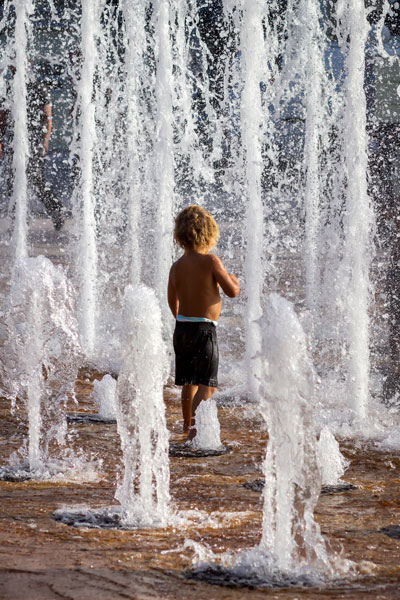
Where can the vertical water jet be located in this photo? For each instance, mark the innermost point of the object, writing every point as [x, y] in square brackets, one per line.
[164, 152]
[86, 252]
[293, 480]
[42, 353]
[23, 10]
[144, 490]
[252, 118]
[358, 221]
[135, 25]
[314, 112]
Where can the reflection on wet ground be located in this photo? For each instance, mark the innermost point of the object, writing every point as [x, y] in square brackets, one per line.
[41, 558]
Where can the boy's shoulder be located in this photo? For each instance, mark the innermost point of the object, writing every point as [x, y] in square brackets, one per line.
[214, 260]
[211, 260]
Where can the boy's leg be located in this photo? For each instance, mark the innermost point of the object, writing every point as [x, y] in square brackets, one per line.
[204, 392]
[187, 395]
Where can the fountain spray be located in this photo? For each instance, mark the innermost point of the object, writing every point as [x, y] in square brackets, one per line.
[144, 490]
[358, 222]
[293, 480]
[42, 354]
[23, 8]
[135, 19]
[315, 77]
[164, 153]
[252, 46]
[86, 257]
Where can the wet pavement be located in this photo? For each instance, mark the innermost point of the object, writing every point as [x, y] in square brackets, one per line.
[41, 558]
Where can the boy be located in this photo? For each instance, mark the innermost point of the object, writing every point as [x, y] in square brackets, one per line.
[194, 299]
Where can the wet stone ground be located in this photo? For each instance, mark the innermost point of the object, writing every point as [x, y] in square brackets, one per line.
[45, 559]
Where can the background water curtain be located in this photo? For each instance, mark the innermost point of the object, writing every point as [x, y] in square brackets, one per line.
[260, 111]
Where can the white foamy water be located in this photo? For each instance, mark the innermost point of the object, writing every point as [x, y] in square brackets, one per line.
[144, 490]
[252, 117]
[42, 352]
[291, 538]
[292, 548]
[359, 216]
[165, 19]
[208, 434]
[331, 461]
[105, 396]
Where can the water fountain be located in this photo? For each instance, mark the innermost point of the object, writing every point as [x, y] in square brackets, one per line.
[255, 119]
[143, 492]
[86, 259]
[331, 461]
[208, 436]
[292, 550]
[20, 143]
[104, 396]
[40, 365]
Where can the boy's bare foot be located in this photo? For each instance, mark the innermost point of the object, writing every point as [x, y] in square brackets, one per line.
[191, 434]
[185, 428]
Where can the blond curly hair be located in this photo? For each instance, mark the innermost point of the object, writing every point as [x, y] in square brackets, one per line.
[195, 228]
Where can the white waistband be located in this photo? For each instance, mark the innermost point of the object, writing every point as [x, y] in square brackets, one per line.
[184, 319]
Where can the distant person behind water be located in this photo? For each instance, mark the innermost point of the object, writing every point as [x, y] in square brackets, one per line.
[39, 120]
[195, 302]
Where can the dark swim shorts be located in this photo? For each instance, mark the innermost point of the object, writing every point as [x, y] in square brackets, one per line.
[196, 354]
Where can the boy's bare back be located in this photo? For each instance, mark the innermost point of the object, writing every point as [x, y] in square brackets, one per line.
[193, 287]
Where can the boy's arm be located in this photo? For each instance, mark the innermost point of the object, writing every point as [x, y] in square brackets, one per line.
[228, 282]
[173, 301]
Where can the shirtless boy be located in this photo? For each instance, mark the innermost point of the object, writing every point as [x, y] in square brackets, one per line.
[195, 302]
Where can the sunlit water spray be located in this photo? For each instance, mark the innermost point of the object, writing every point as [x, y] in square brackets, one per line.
[105, 396]
[291, 539]
[208, 436]
[42, 354]
[86, 251]
[144, 489]
[164, 156]
[135, 19]
[23, 11]
[292, 550]
[359, 213]
[252, 46]
[331, 461]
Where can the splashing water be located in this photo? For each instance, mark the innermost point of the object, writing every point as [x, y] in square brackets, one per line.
[291, 539]
[42, 353]
[19, 116]
[104, 395]
[165, 115]
[331, 461]
[208, 434]
[144, 490]
[292, 550]
[86, 251]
